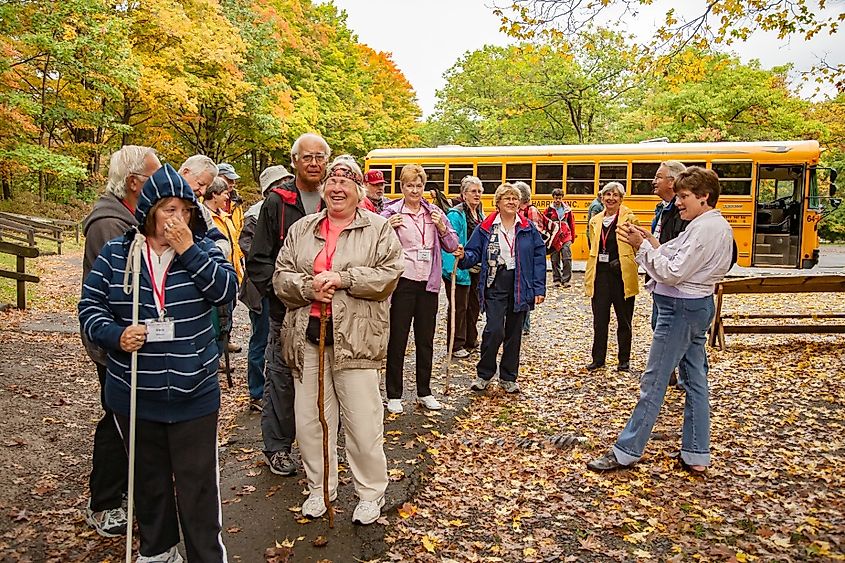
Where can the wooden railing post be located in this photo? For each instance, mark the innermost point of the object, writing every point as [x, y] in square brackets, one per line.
[21, 269]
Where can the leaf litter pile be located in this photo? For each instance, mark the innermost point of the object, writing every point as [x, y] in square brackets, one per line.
[499, 490]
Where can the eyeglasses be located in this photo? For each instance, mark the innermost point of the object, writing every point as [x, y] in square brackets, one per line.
[171, 211]
[413, 186]
[144, 176]
[319, 158]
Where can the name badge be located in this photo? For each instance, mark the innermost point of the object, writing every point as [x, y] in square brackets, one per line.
[160, 330]
[604, 257]
[424, 255]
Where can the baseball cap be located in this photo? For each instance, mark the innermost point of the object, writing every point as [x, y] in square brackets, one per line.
[271, 175]
[374, 177]
[227, 170]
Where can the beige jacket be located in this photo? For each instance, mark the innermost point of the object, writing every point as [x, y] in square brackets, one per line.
[369, 259]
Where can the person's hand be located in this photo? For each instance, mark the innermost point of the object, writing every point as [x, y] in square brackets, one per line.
[459, 253]
[324, 295]
[539, 299]
[439, 221]
[395, 220]
[178, 235]
[133, 338]
[325, 280]
[631, 234]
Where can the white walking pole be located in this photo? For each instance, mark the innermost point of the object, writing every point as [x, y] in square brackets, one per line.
[135, 270]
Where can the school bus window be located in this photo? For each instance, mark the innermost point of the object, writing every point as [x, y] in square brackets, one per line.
[490, 176]
[456, 174]
[388, 176]
[397, 185]
[613, 173]
[580, 179]
[734, 177]
[519, 173]
[435, 174]
[549, 177]
[642, 174]
[699, 164]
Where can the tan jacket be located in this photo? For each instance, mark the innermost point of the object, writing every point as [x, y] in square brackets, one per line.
[369, 259]
[630, 277]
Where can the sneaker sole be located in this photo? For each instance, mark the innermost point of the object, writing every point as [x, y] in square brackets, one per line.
[366, 523]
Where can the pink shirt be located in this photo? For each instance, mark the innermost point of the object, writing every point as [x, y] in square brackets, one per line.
[417, 234]
[323, 260]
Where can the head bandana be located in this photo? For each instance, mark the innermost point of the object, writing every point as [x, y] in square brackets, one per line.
[344, 172]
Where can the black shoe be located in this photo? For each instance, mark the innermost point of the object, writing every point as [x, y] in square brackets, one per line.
[607, 462]
[594, 365]
[624, 366]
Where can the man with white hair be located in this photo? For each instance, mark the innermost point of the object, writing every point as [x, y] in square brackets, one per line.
[259, 307]
[287, 202]
[200, 171]
[112, 215]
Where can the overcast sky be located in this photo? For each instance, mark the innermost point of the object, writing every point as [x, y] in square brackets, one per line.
[426, 38]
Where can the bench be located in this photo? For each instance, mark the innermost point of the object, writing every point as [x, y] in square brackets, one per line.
[19, 275]
[25, 229]
[775, 284]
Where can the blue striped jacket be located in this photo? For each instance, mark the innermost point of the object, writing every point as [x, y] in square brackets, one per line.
[177, 380]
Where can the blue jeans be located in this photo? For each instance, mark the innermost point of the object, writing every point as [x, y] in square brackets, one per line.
[260, 323]
[679, 338]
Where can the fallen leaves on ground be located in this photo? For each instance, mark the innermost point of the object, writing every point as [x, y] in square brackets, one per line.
[774, 491]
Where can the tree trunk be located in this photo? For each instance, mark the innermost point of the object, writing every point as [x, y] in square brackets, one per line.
[7, 186]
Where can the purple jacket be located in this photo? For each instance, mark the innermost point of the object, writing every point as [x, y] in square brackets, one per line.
[448, 242]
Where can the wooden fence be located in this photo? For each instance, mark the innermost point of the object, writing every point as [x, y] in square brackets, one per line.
[19, 275]
[29, 230]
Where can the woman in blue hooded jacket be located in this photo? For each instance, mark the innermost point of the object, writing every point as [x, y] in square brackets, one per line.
[512, 280]
[184, 276]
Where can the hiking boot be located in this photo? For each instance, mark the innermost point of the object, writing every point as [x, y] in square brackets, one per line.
[460, 354]
[430, 403]
[256, 404]
[108, 523]
[594, 365]
[170, 556]
[314, 506]
[367, 511]
[509, 386]
[479, 384]
[281, 463]
[394, 406]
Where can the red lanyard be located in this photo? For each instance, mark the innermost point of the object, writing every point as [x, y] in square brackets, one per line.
[414, 221]
[507, 240]
[157, 293]
[126, 205]
[606, 232]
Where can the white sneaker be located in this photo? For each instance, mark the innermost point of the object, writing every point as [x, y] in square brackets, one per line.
[460, 354]
[170, 556]
[367, 511]
[430, 403]
[315, 506]
[395, 406]
[509, 386]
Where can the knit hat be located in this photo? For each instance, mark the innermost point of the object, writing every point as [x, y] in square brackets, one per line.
[166, 182]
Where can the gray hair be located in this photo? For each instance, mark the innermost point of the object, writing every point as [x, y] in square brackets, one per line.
[524, 191]
[348, 162]
[198, 164]
[468, 181]
[619, 188]
[294, 150]
[674, 167]
[124, 162]
[216, 187]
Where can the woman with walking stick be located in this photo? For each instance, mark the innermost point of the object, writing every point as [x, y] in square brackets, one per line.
[184, 276]
[349, 260]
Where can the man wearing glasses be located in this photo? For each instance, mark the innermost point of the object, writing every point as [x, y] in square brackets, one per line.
[287, 201]
[113, 214]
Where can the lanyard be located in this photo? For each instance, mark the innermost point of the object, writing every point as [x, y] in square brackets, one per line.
[505, 235]
[414, 221]
[157, 293]
[606, 231]
[126, 205]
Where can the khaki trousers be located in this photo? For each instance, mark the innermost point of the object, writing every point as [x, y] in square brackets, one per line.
[353, 395]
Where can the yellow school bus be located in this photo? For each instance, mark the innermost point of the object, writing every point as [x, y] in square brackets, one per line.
[769, 189]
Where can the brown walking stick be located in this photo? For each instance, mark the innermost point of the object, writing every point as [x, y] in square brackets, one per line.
[321, 409]
[451, 344]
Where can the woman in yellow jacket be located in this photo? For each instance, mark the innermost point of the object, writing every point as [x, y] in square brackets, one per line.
[216, 199]
[611, 277]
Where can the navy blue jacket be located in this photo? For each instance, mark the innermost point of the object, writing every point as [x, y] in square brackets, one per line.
[177, 381]
[530, 254]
